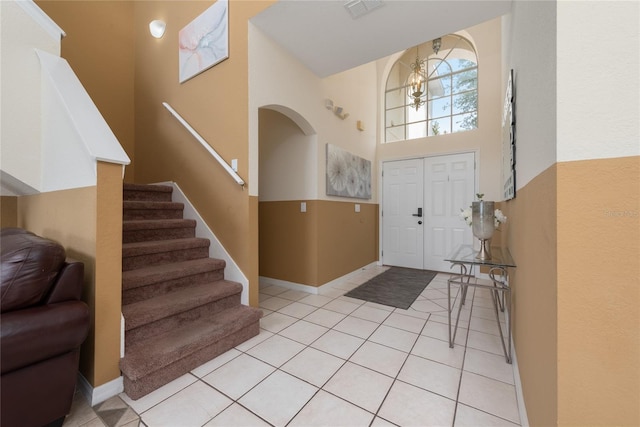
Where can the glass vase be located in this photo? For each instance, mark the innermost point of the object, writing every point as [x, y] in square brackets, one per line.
[483, 226]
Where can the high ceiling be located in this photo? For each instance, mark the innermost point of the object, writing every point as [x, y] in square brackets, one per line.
[323, 35]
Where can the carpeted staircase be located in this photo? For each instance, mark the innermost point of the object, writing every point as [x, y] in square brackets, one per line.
[179, 311]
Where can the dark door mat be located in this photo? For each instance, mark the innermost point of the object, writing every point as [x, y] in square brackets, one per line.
[397, 287]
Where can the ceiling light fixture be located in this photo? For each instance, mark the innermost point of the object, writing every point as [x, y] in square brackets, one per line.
[437, 44]
[416, 82]
[156, 28]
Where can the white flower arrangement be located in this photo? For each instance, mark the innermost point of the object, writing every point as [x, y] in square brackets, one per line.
[498, 216]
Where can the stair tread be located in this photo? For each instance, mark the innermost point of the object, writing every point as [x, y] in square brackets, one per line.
[163, 272]
[159, 351]
[147, 187]
[157, 246]
[181, 300]
[149, 224]
[151, 204]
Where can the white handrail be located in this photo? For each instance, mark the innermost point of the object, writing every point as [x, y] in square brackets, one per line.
[204, 143]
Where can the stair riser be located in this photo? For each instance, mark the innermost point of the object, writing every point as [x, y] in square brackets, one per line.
[150, 196]
[134, 214]
[133, 262]
[177, 320]
[134, 236]
[155, 380]
[129, 296]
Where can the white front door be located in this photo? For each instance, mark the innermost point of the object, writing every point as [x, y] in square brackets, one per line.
[421, 202]
[449, 187]
[403, 235]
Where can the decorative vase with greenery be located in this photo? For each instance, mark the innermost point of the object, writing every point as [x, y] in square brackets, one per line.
[484, 219]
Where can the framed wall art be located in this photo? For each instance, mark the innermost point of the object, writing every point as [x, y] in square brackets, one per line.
[204, 42]
[509, 141]
[347, 174]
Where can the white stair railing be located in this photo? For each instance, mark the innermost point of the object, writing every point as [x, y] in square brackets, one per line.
[205, 144]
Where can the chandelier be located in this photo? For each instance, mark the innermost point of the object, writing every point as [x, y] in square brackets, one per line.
[417, 80]
[416, 83]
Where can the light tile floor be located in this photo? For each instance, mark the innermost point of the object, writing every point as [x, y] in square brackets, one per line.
[330, 360]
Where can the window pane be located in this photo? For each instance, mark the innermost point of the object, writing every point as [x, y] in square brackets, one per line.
[440, 87]
[441, 107]
[461, 64]
[440, 126]
[451, 96]
[395, 134]
[438, 67]
[394, 117]
[395, 98]
[465, 102]
[417, 130]
[414, 116]
[465, 122]
[466, 80]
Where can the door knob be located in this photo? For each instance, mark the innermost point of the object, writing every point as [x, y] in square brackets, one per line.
[419, 214]
[420, 222]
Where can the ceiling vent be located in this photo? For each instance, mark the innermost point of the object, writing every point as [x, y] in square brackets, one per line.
[358, 8]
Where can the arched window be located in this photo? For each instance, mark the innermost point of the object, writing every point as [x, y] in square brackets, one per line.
[432, 90]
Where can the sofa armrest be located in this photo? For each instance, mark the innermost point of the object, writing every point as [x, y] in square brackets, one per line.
[39, 333]
[68, 284]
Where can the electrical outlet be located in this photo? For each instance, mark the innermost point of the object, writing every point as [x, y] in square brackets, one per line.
[303, 206]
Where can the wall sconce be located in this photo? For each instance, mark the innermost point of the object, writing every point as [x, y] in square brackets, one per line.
[156, 28]
[338, 111]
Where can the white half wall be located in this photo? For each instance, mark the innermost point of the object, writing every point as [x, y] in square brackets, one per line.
[20, 108]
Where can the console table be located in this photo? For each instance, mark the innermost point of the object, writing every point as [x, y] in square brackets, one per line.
[464, 256]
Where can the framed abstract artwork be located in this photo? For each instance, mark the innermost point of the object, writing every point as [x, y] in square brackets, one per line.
[509, 142]
[205, 41]
[347, 174]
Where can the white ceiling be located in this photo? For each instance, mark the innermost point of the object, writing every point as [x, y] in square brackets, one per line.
[323, 35]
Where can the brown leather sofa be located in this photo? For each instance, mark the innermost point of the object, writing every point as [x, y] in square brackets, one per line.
[43, 322]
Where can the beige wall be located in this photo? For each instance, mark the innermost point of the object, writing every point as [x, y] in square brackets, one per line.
[277, 79]
[8, 211]
[347, 240]
[573, 226]
[317, 246]
[99, 46]
[289, 241]
[108, 273]
[598, 292]
[330, 239]
[531, 237]
[215, 104]
[86, 221]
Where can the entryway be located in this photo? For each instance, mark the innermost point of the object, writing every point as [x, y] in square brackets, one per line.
[421, 202]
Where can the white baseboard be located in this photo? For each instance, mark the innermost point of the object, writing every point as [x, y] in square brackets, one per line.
[524, 420]
[96, 395]
[314, 289]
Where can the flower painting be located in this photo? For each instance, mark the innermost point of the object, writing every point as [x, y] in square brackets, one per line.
[347, 174]
[205, 41]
